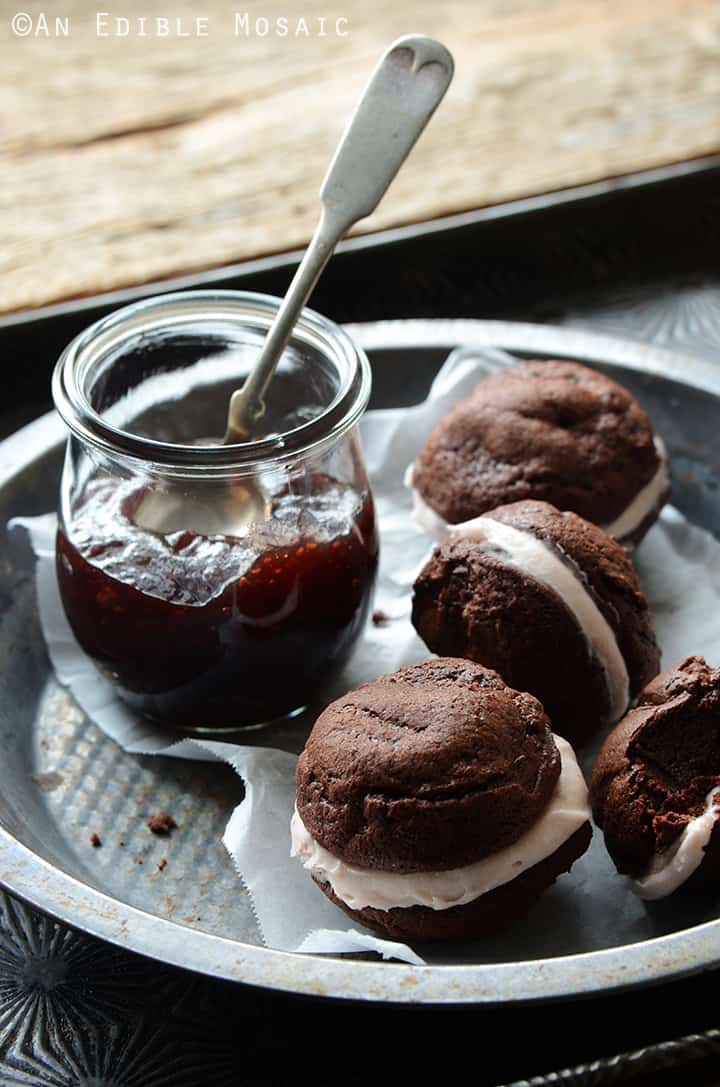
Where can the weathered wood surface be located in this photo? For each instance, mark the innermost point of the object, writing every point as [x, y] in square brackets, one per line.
[130, 159]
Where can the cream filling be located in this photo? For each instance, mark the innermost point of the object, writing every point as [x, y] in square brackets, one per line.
[672, 868]
[645, 501]
[425, 516]
[536, 559]
[360, 887]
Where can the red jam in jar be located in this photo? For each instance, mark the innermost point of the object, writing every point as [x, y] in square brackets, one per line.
[197, 628]
[202, 630]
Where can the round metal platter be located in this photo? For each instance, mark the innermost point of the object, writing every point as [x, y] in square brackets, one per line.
[62, 780]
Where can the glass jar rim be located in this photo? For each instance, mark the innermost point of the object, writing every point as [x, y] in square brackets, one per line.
[161, 312]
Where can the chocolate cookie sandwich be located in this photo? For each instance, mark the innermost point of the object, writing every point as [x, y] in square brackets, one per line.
[436, 804]
[554, 431]
[656, 783]
[548, 600]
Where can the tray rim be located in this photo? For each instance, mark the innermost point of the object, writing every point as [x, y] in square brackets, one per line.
[53, 891]
[218, 277]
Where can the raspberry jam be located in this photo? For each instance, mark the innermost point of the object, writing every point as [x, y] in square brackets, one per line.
[218, 586]
[217, 630]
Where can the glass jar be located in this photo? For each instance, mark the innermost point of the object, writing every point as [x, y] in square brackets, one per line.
[201, 620]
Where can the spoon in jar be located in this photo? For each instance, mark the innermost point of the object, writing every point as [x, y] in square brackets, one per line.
[403, 93]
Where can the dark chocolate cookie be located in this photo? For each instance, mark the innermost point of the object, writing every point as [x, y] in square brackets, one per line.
[430, 768]
[657, 768]
[436, 804]
[548, 430]
[556, 609]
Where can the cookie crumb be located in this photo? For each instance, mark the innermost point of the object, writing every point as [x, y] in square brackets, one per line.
[162, 864]
[162, 823]
[380, 617]
[121, 841]
[138, 860]
[95, 841]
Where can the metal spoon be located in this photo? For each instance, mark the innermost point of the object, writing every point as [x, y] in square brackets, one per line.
[403, 93]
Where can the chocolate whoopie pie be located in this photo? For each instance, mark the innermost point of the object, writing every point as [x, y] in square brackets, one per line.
[436, 804]
[554, 431]
[548, 600]
[656, 782]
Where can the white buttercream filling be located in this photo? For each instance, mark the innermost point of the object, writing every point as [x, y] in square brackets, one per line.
[669, 870]
[645, 501]
[360, 887]
[425, 516]
[536, 559]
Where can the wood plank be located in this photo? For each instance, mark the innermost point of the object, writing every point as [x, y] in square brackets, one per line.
[131, 159]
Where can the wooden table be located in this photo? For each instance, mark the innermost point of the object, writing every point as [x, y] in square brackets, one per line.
[127, 159]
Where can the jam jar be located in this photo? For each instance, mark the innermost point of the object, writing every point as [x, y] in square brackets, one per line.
[217, 586]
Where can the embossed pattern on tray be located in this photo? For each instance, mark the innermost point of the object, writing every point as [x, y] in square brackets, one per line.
[65, 781]
[91, 786]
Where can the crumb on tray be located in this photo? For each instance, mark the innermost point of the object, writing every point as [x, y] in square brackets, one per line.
[162, 823]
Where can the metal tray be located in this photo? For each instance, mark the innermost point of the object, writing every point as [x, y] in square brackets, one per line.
[61, 780]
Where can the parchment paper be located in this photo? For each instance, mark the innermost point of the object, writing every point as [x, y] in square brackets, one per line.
[679, 566]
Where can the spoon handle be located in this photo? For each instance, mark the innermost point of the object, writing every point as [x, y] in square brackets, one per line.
[403, 93]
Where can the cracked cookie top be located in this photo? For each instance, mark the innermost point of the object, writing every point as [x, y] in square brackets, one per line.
[655, 769]
[431, 767]
[550, 430]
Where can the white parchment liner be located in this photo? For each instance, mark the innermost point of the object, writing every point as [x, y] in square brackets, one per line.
[678, 563]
